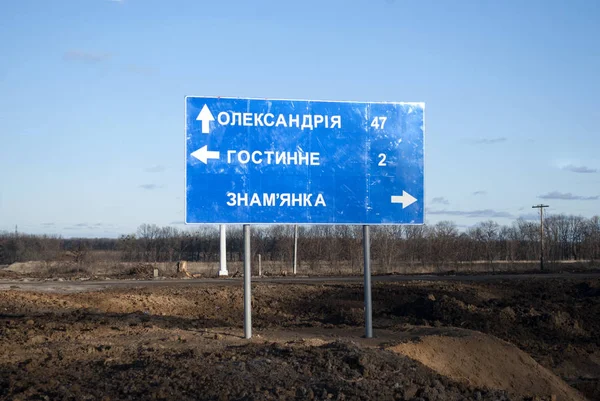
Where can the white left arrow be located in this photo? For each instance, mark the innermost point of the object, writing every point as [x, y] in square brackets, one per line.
[406, 199]
[206, 117]
[203, 154]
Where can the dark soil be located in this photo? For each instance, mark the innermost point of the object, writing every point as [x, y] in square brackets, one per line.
[338, 371]
[556, 321]
[183, 342]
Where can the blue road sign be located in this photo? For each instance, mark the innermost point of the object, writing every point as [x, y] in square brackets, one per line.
[260, 161]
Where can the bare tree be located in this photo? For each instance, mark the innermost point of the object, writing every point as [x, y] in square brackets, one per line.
[566, 236]
[529, 238]
[416, 244]
[387, 245]
[510, 239]
[487, 234]
[443, 238]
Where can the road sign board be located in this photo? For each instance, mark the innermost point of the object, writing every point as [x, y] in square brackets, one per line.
[261, 161]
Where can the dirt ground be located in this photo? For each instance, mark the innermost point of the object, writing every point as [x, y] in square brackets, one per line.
[498, 340]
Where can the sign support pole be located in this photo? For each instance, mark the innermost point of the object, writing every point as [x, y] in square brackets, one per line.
[223, 270]
[295, 247]
[247, 287]
[368, 304]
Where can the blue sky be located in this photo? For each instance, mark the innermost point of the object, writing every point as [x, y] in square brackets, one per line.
[92, 98]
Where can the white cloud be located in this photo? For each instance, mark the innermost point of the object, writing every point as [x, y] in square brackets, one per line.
[579, 169]
[482, 213]
[566, 196]
[440, 200]
[85, 56]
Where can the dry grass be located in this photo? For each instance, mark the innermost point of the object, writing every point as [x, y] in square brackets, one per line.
[117, 269]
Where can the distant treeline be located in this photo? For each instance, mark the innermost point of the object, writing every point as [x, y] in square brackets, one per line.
[565, 238]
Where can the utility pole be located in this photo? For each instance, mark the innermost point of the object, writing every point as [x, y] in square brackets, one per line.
[541, 207]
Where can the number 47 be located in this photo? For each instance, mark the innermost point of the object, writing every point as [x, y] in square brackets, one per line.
[378, 122]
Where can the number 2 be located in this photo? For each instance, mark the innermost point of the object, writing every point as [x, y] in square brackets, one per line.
[382, 162]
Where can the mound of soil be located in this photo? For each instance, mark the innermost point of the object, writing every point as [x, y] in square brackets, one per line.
[27, 267]
[485, 361]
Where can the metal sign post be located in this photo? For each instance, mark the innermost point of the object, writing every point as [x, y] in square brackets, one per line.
[295, 248]
[247, 286]
[368, 304]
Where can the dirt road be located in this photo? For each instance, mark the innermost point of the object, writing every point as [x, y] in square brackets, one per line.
[85, 284]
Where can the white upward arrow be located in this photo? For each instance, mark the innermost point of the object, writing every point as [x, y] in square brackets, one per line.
[203, 154]
[406, 199]
[206, 117]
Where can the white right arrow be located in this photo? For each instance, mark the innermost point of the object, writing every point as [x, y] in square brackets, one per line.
[206, 117]
[406, 199]
[203, 154]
